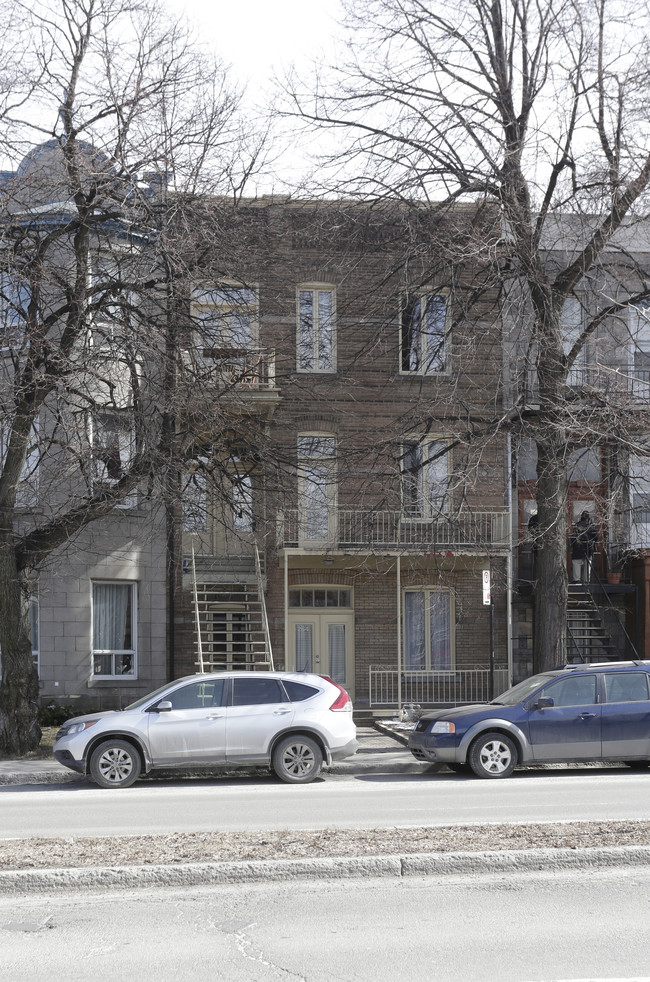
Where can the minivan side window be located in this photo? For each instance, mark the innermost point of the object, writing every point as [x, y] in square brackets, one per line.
[626, 686]
[577, 690]
[257, 692]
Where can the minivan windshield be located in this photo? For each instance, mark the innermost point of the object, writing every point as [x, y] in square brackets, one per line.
[521, 691]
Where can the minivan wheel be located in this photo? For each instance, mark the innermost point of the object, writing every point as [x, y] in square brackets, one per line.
[297, 759]
[492, 755]
[115, 764]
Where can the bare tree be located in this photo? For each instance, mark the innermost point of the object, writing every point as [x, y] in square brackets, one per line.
[114, 121]
[540, 108]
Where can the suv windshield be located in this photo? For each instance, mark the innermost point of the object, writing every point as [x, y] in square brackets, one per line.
[521, 691]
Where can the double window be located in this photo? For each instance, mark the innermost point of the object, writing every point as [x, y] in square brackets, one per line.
[424, 333]
[639, 330]
[316, 328]
[425, 477]
[114, 629]
[428, 642]
[226, 319]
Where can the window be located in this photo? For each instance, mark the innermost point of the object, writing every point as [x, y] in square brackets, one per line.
[15, 295]
[114, 628]
[317, 486]
[242, 503]
[27, 489]
[640, 502]
[427, 630]
[424, 333]
[572, 325]
[322, 597]
[226, 316]
[194, 501]
[257, 692]
[198, 695]
[579, 690]
[639, 329]
[316, 329]
[113, 448]
[425, 469]
[298, 691]
[626, 686]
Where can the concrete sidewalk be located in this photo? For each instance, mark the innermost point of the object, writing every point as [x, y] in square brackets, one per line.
[378, 752]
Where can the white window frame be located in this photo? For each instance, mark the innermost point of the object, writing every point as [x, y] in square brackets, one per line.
[12, 308]
[419, 483]
[312, 333]
[639, 490]
[572, 325]
[427, 362]
[126, 450]
[317, 514]
[427, 592]
[208, 300]
[638, 320]
[27, 492]
[115, 652]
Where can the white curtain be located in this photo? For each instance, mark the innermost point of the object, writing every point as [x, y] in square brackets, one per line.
[414, 631]
[336, 645]
[111, 623]
[304, 647]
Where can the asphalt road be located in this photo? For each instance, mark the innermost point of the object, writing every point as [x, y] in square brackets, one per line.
[506, 928]
[360, 801]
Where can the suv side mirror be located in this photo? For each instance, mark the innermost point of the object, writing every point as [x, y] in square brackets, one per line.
[161, 707]
[544, 702]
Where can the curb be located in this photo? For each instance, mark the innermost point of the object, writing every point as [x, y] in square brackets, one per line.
[274, 870]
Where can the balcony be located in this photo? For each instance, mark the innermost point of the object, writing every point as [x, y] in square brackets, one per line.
[241, 377]
[627, 381]
[368, 531]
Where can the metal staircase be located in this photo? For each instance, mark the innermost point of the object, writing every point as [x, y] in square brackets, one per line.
[231, 624]
[588, 639]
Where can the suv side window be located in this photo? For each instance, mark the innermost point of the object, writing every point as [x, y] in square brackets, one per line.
[576, 690]
[298, 691]
[257, 692]
[626, 686]
[197, 695]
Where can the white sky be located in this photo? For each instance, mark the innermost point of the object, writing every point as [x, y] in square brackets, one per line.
[258, 36]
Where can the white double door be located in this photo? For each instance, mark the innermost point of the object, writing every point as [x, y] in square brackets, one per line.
[323, 644]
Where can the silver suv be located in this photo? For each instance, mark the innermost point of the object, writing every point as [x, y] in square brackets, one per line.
[290, 722]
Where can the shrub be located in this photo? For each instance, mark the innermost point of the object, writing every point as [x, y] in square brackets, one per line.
[55, 715]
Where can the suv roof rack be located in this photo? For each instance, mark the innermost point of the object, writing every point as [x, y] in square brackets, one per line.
[604, 664]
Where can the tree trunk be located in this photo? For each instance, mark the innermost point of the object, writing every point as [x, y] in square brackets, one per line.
[19, 729]
[551, 589]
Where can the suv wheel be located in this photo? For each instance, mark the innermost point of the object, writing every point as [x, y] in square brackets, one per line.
[297, 759]
[492, 755]
[115, 764]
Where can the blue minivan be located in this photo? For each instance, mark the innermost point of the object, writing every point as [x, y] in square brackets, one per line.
[579, 713]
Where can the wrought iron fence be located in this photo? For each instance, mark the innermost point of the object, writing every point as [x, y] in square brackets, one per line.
[428, 688]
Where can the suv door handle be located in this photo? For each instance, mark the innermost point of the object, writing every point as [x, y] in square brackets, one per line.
[220, 716]
[281, 712]
[587, 716]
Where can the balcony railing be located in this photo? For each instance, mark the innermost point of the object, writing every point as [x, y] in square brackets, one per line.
[429, 688]
[620, 380]
[232, 368]
[359, 530]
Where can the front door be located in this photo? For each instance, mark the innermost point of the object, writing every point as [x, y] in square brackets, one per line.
[323, 643]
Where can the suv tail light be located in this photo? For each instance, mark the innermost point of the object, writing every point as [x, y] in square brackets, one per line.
[342, 703]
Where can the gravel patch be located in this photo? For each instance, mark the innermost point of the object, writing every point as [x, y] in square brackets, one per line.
[211, 847]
